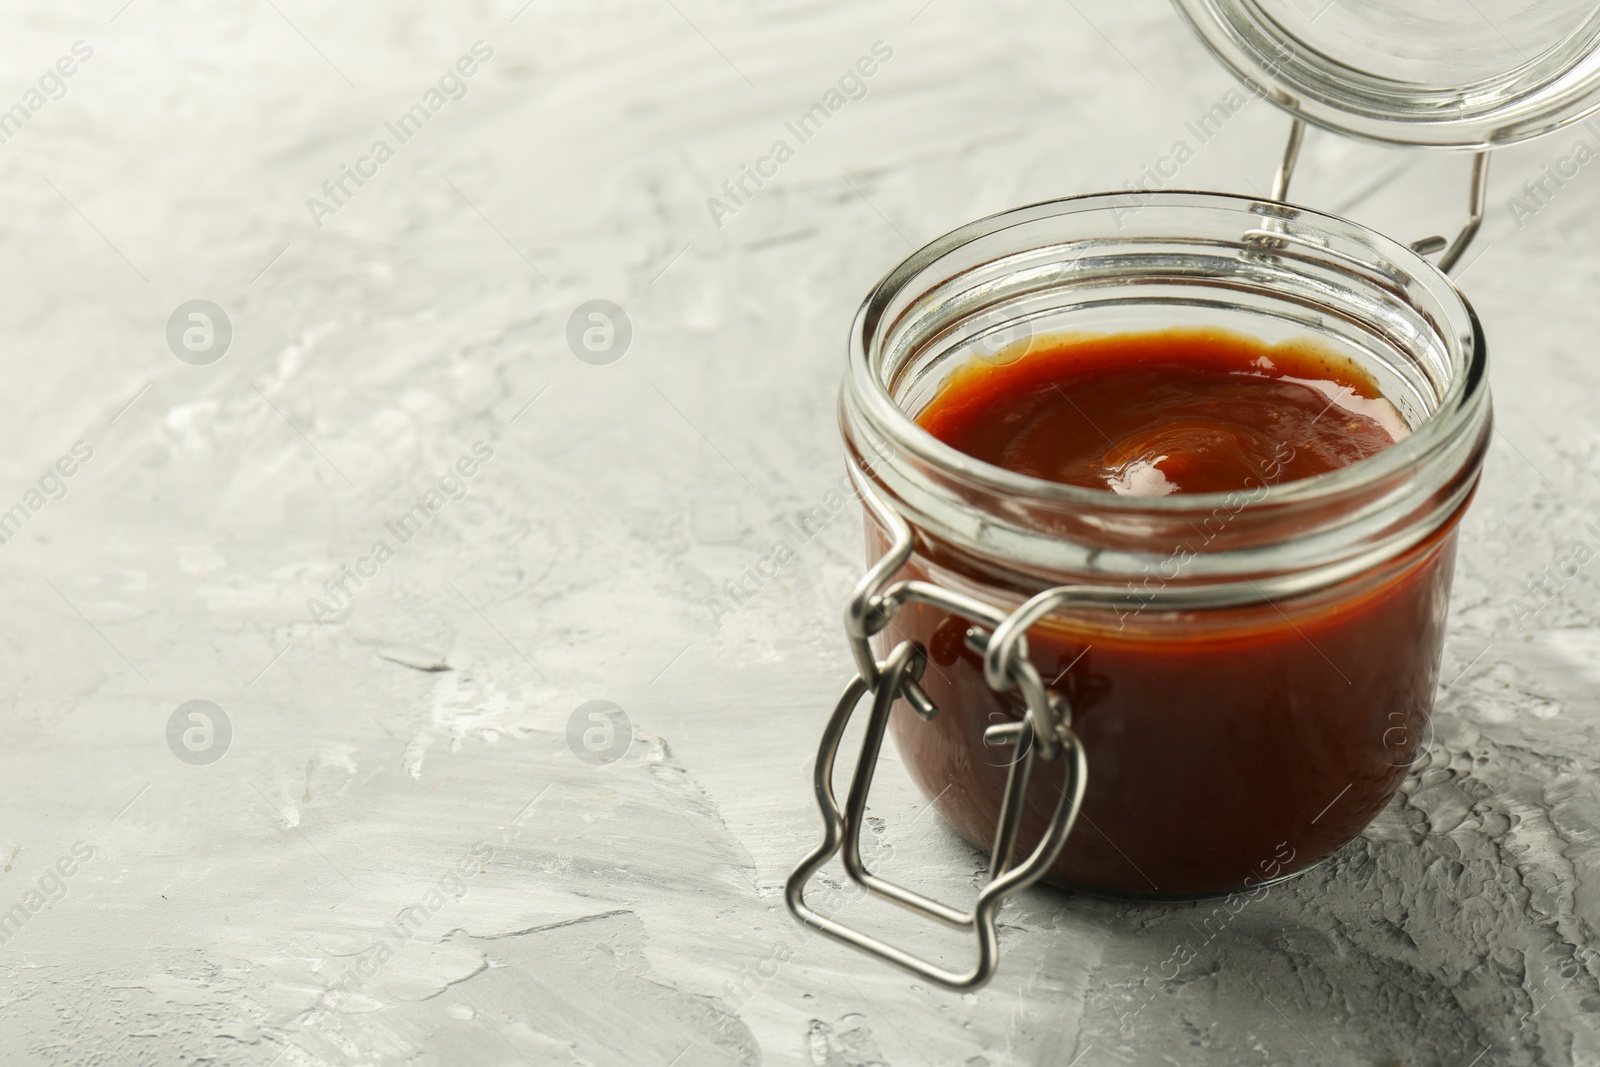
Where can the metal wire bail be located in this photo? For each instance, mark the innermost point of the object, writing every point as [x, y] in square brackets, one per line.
[1045, 732]
[1477, 200]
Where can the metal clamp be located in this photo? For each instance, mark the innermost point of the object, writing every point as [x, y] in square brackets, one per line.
[1477, 200]
[1045, 732]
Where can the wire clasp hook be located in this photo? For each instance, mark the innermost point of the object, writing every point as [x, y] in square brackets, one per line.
[1477, 200]
[1044, 732]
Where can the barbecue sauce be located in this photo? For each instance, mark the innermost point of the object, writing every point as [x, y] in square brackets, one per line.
[1226, 747]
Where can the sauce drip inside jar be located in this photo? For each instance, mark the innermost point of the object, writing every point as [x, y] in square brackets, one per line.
[1178, 411]
[1227, 747]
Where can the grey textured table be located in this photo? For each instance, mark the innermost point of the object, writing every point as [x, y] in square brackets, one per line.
[399, 856]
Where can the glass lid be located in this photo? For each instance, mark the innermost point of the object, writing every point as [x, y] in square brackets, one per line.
[1471, 74]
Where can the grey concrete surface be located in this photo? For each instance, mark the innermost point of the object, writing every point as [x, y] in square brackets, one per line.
[400, 857]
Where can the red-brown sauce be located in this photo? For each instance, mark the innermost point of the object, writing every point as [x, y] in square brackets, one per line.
[1226, 747]
[1176, 412]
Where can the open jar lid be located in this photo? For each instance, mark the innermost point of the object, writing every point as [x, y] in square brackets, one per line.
[1468, 74]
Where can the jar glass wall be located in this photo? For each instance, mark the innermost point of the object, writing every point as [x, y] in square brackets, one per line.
[1255, 680]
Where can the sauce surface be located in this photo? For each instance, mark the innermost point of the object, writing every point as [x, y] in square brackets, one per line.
[1176, 411]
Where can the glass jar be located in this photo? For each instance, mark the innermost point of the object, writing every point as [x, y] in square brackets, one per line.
[1225, 725]
[1222, 688]
[1225, 687]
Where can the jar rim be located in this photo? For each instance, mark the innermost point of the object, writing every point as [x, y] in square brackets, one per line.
[867, 391]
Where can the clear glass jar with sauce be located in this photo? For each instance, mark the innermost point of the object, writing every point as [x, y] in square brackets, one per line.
[1260, 664]
[1167, 696]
